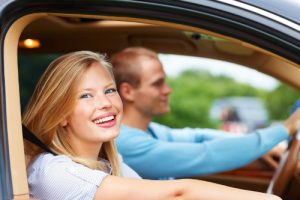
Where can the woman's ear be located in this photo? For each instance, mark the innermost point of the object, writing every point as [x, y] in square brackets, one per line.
[64, 123]
[127, 92]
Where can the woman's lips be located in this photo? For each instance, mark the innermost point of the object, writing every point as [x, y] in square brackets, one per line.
[106, 121]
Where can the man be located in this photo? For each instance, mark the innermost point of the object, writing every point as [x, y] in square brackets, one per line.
[157, 151]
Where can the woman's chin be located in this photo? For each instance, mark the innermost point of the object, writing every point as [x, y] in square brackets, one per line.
[111, 136]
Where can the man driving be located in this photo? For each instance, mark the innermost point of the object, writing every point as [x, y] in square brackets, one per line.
[157, 151]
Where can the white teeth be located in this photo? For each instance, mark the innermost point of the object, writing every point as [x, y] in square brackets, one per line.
[105, 119]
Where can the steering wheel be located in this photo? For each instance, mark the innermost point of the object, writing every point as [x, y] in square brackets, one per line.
[287, 168]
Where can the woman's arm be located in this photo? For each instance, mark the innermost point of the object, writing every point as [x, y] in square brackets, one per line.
[116, 188]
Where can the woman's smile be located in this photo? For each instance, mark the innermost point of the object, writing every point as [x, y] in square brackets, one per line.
[106, 121]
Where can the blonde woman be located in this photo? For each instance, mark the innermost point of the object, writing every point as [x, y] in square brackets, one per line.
[76, 111]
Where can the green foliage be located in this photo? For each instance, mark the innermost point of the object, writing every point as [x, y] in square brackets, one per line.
[280, 101]
[193, 94]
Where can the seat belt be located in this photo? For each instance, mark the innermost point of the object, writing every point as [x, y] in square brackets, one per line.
[29, 136]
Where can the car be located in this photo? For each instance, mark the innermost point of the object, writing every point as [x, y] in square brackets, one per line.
[249, 111]
[259, 34]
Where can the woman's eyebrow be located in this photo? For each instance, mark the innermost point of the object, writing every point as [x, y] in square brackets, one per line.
[86, 89]
[111, 84]
[93, 89]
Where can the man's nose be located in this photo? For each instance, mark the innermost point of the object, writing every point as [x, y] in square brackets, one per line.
[167, 89]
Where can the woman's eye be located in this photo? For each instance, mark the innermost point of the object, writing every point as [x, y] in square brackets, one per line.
[110, 90]
[84, 96]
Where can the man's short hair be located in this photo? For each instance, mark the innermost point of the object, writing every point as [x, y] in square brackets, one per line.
[127, 64]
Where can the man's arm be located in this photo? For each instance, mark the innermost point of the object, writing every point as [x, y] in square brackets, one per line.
[153, 158]
[186, 134]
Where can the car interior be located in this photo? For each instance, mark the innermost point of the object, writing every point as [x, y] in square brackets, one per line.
[47, 36]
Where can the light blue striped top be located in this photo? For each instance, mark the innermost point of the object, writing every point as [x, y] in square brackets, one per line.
[58, 177]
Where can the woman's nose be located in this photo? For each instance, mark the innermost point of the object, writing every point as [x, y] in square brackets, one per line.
[103, 102]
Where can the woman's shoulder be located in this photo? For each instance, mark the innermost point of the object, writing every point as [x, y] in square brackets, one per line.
[54, 176]
[47, 168]
[45, 159]
[48, 162]
[53, 165]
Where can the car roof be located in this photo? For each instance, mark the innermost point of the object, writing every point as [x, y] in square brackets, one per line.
[288, 9]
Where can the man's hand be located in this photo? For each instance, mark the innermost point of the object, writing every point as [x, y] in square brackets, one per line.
[292, 124]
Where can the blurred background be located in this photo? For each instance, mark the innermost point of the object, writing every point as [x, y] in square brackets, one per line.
[202, 91]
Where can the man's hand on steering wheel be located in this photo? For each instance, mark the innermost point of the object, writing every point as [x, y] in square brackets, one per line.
[292, 124]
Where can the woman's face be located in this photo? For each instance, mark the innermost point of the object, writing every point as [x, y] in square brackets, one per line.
[97, 114]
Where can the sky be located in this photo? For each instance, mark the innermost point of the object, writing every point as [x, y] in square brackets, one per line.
[174, 65]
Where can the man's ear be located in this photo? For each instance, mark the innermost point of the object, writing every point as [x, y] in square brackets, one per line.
[127, 92]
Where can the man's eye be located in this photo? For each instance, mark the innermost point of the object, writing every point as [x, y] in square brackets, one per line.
[84, 96]
[110, 90]
[158, 83]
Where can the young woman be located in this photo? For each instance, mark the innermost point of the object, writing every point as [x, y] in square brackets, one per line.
[76, 111]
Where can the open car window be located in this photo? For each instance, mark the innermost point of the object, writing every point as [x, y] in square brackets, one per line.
[204, 69]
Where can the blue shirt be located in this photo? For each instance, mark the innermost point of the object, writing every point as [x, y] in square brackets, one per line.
[58, 177]
[165, 152]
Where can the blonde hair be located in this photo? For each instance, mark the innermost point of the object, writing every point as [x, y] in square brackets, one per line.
[54, 99]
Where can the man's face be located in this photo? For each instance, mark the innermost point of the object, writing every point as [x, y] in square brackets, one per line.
[151, 97]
